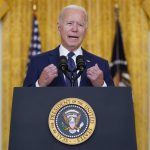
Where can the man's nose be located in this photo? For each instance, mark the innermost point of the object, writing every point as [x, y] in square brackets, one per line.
[75, 27]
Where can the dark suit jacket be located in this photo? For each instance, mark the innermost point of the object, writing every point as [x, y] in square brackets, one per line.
[38, 63]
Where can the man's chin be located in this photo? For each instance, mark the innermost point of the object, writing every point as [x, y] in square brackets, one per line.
[74, 47]
[74, 44]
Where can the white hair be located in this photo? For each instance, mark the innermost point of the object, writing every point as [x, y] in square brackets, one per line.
[75, 7]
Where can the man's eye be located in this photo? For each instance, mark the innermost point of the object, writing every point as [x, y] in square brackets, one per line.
[69, 23]
[81, 25]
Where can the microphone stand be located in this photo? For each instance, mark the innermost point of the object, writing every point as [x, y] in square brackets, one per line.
[70, 73]
[74, 78]
[70, 76]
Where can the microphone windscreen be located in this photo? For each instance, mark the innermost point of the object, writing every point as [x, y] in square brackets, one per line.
[80, 63]
[63, 63]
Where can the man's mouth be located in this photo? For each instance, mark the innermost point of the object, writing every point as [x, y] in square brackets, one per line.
[73, 37]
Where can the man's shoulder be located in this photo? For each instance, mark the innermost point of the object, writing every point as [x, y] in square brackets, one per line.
[46, 54]
[92, 56]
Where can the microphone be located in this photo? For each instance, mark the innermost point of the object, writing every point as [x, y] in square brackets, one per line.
[63, 66]
[80, 63]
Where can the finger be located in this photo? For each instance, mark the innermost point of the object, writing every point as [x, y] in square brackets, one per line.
[91, 77]
[53, 74]
[92, 69]
[50, 77]
[56, 74]
[97, 67]
[51, 70]
[89, 71]
[50, 67]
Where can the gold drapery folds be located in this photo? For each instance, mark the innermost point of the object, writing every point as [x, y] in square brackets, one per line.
[16, 16]
[3, 8]
[146, 6]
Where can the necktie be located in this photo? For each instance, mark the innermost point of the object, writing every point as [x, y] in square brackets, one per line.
[71, 66]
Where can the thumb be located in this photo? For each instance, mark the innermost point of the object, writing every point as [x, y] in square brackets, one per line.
[96, 65]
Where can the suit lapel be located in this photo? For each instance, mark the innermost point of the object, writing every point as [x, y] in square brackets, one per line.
[88, 61]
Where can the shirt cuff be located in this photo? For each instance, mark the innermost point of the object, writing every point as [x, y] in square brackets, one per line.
[37, 84]
[104, 84]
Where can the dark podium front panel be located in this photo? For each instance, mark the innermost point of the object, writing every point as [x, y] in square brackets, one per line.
[113, 107]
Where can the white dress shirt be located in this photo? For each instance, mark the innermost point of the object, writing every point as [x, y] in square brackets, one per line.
[64, 52]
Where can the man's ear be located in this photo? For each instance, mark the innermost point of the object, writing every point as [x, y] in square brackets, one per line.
[58, 27]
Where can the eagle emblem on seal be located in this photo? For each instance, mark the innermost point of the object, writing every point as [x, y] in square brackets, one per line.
[72, 122]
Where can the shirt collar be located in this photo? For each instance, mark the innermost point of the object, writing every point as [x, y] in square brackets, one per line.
[64, 52]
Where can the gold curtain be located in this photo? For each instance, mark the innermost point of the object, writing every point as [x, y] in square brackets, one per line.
[134, 17]
[3, 8]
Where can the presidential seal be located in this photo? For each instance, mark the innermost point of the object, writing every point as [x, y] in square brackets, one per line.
[72, 121]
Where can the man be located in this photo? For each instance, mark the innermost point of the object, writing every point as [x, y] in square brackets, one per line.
[72, 26]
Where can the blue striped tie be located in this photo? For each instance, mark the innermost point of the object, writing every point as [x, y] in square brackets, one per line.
[71, 66]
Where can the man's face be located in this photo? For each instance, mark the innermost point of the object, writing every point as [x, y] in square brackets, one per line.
[72, 28]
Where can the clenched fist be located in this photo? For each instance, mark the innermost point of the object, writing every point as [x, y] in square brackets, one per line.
[48, 74]
[95, 75]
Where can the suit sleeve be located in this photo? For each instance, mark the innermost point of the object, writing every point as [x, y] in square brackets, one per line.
[107, 75]
[32, 74]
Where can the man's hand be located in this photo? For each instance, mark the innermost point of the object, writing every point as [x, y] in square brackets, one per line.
[48, 74]
[95, 75]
